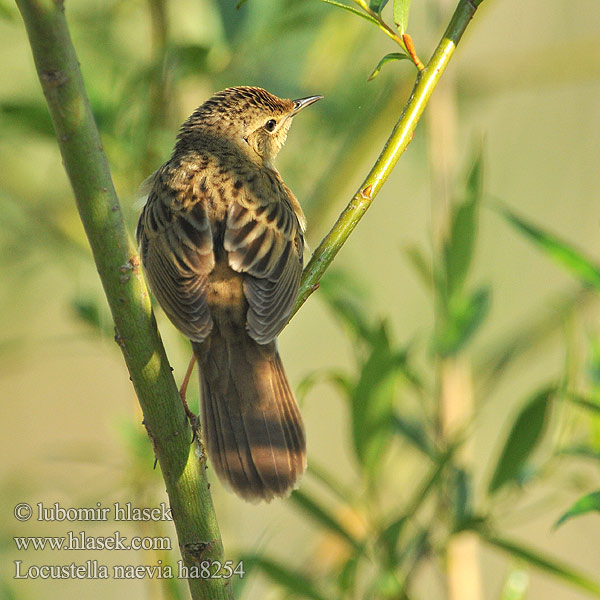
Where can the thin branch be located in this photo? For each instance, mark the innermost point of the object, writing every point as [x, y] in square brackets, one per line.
[118, 265]
[397, 143]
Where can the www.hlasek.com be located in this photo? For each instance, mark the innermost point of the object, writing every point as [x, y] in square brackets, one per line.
[94, 569]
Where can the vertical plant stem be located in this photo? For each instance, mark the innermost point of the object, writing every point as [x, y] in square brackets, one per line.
[455, 390]
[158, 92]
[118, 267]
[463, 578]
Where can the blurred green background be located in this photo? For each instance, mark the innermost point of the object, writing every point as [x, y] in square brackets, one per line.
[522, 93]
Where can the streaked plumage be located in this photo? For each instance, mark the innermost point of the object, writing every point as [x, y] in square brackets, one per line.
[221, 240]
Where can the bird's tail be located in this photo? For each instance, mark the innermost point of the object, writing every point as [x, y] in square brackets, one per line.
[252, 425]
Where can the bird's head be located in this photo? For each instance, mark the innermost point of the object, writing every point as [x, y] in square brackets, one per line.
[250, 115]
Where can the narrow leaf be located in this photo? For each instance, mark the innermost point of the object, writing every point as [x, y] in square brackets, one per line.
[347, 299]
[465, 316]
[462, 492]
[525, 435]
[387, 584]
[458, 251]
[414, 433]
[338, 379]
[560, 251]
[189, 59]
[581, 451]
[347, 575]
[584, 505]
[541, 561]
[322, 516]
[401, 10]
[430, 482]
[352, 10]
[386, 59]
[388, 539]
[372, 402]
[330, 481]
[591, 405]
[421, 265]
[293, 581]
[29, 115]
[88, 310]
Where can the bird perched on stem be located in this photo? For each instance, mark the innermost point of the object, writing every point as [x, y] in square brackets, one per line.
[221, 240]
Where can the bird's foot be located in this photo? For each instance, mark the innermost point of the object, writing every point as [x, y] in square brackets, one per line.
[191, 416]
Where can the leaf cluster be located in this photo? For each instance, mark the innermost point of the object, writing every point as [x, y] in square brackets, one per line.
[393, 408]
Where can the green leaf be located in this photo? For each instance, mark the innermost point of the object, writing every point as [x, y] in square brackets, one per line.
[388, 539]
[92, 313]
[377, 5]
[465, 316]
[89, 312]
[372, 402]
[401, 10]
[294, 582]
[189, 59]
[593, 366]
[414, 432]
[462, 493]
[322, 516]
[560, 251]
[421, 265]
[352, 10]
[584, 505]
[432, 481]
[385, 585]
[414, 548]
[578, 400]
[338, 379]
[581, 451]
[386, 59]
[347, 575]
[233, 21]
[346, 299]
[238, 584]
[458, 250]
[543, 562]
[525, 434]
[33, 116]
[331, 482]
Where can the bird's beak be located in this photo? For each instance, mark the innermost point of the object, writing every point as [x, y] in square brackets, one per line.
[303, 103]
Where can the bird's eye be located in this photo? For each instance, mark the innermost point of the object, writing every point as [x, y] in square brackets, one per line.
[270, 124]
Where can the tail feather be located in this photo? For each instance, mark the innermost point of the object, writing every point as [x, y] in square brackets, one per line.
[252, 425]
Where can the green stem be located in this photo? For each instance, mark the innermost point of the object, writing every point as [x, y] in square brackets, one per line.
[118, 267]
[159, 84]
[397, 143]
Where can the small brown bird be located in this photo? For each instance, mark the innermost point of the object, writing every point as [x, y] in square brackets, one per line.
[221, 240]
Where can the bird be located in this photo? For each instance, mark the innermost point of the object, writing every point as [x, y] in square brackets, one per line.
[221, 239]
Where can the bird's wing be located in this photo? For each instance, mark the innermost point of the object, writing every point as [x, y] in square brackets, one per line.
[264, 240]
[177, 254]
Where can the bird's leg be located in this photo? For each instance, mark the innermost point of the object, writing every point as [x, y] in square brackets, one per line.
[192, 418]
